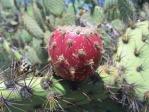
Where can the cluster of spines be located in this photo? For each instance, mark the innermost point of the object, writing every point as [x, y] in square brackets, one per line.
[132, 67]
[53, 93]
[111, 10]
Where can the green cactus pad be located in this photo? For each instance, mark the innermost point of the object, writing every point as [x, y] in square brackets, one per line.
[55, 7]
[68, 18]
[127, 10]
[26, 37]
[96, 18]
[38, 16]
[97, 106]
[110, 4]
[32, 27]
[40, 48]
[129, 78]
[118, 24]
[5, 59]
[57, 94]
[31, 55]
[132, 55]
[7, 4]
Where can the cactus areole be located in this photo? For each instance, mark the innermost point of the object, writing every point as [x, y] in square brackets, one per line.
[75, 52]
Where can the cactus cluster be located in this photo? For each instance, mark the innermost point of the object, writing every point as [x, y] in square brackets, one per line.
[58, 56]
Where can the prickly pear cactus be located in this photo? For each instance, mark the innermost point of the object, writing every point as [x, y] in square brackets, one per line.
[41, 50]
[46, 93]
[97, 106]
[131, 68]
[4, 57]
[26, 37]
[145, 9]
[7, 4]
[111, 9]
[127, 10]
[38, 16]
[131, 56]
[118, 24]
[96, 18]
[30, 79]
[31, 55]
[68, 17]
[31, 26]
[55, 7]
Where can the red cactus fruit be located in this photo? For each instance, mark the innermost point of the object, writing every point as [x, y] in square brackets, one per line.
[75, 52]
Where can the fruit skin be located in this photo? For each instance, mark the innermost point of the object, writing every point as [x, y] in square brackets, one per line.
[75, 52]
